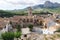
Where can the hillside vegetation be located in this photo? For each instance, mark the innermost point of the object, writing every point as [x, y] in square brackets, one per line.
[54, 10]
[10, 13]
[37, 9]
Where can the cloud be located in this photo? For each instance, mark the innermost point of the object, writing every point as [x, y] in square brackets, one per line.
[24, 2]
[21, 3]
[18, 4]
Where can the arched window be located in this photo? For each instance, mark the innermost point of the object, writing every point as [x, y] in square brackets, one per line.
[27, 20]
[31, 20]
[23, 20]
[41, 23]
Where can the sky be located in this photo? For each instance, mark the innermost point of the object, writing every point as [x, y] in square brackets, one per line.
[20, 4]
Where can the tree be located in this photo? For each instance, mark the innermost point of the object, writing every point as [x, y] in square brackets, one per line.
[18, 27]
[17, 34]
[30, 26]
[8, 36]
[11, 22]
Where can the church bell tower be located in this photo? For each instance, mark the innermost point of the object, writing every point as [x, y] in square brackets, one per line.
[29, 11]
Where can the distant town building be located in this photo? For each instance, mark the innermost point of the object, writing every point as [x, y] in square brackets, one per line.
[42, 23]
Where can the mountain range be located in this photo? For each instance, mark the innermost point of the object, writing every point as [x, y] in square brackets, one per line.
[47, 4]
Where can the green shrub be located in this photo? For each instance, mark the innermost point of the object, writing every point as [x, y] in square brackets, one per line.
[58, 35]
[8, 36]
[17, 35]
[58, 30]
[30, 26]
[18, 27]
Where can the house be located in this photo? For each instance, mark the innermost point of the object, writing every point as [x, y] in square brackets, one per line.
[25, 30]
[5, 26]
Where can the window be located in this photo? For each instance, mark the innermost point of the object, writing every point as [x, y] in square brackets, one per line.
[5, 27]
